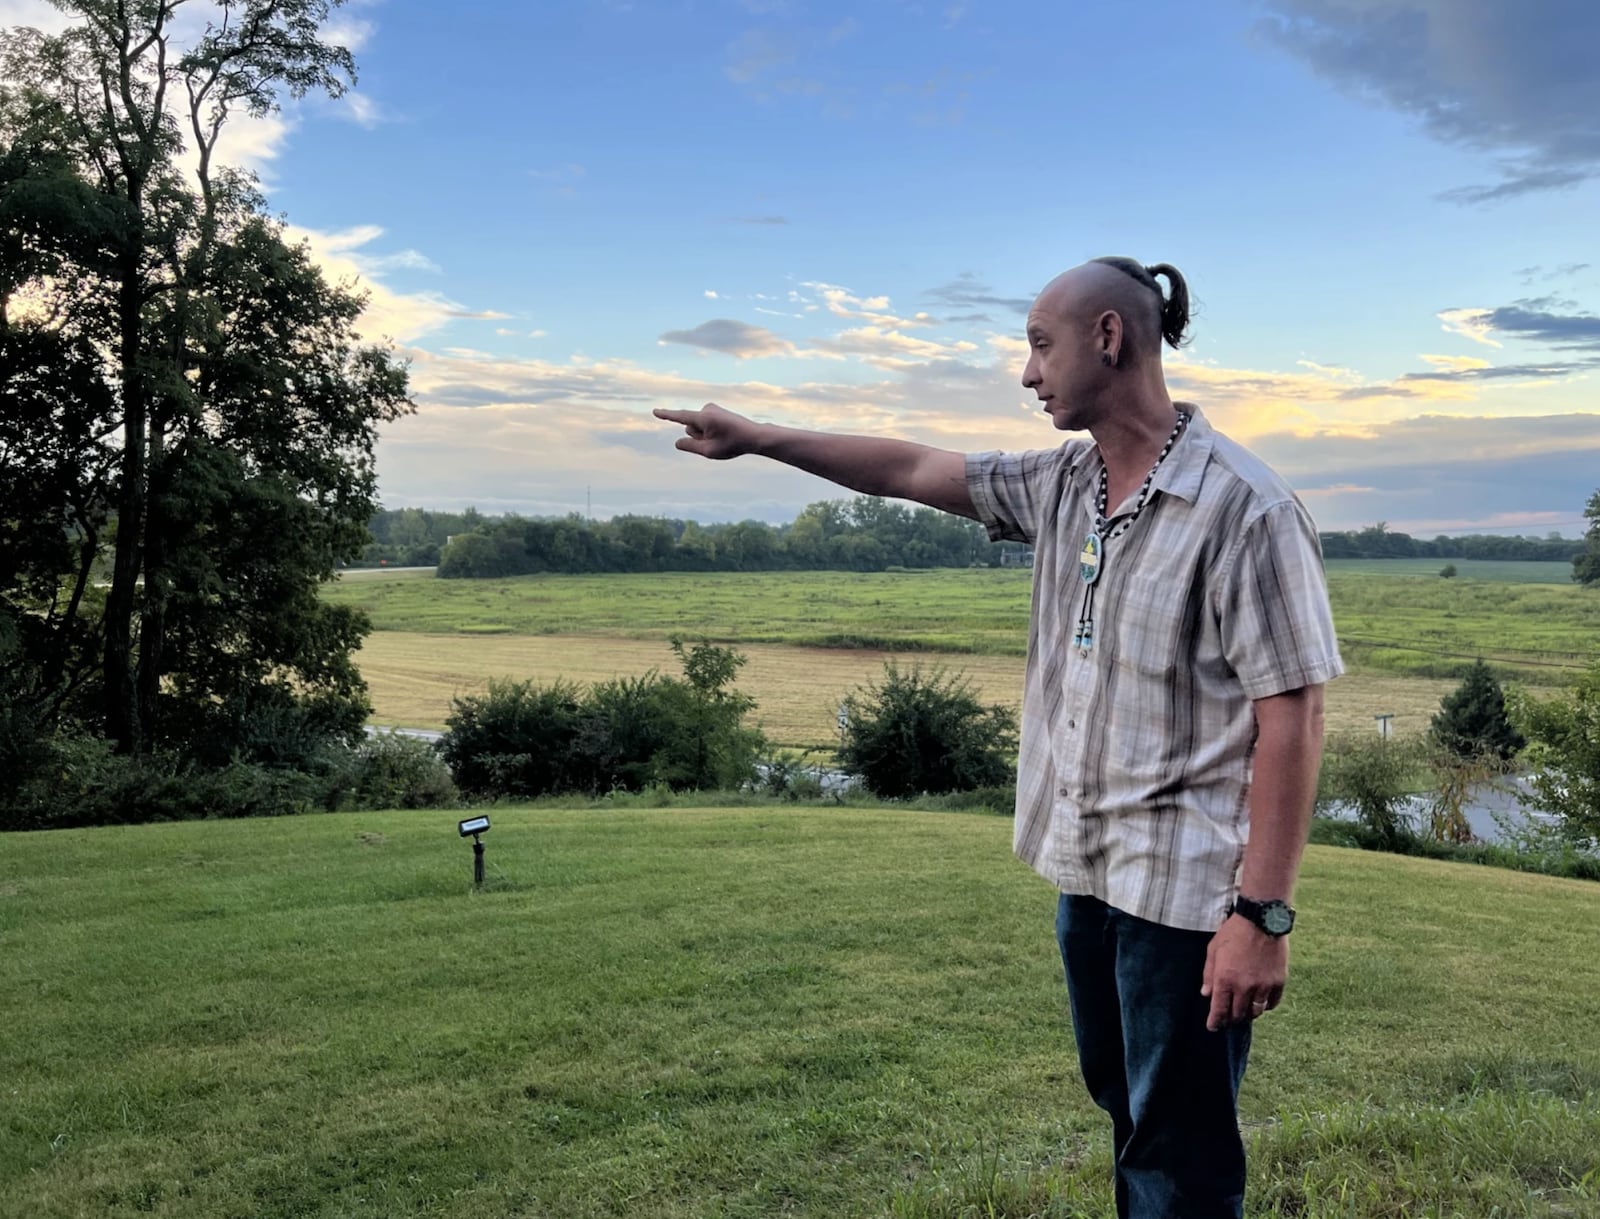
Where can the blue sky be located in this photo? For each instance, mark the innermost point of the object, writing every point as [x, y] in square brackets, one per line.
[833, 215]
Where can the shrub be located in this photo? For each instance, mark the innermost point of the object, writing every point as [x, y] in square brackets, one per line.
[916, 732]
[628, 734]
[1472, 721]
[514, 740]
[391, 770]
[1565, 755]
[1447, 572]
[625, 728]
[82, 782]
[785, 776]
[1375, 776]
[708, 746]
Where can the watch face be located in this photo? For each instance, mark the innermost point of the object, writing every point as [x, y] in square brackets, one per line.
[1277, 920]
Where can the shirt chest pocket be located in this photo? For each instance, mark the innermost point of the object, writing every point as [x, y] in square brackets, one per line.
[1153, 624]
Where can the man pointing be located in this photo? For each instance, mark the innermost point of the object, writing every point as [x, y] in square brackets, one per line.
[1172, 708]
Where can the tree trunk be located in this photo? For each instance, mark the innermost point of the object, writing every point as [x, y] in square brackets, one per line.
[153, 605]
[121, 695]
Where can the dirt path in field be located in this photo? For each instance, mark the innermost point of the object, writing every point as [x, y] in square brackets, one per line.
[797, 690]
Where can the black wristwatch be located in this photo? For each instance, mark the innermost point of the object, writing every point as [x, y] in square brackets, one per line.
[1275, 918]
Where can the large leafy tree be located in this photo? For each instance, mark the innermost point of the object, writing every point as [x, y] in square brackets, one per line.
[188, 413]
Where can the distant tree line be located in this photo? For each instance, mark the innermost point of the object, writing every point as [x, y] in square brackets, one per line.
[862, 534]
[1380, 542]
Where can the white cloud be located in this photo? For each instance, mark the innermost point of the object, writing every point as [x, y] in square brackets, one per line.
[711, 295]
[879, 342]
[361, 110]
[1471, 324]
[34, 14]
[390, 314]
[350, 32]
[1454, 363]
[841, 302]
[405, 260]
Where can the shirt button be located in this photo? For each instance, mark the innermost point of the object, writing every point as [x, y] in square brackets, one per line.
[1072, 723]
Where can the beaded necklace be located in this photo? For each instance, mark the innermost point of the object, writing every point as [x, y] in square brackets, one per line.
[1092, 559]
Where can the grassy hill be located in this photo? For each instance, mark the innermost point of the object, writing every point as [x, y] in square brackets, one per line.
[742, 1012]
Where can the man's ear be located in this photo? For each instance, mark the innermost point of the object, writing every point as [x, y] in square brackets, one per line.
[1108, 337]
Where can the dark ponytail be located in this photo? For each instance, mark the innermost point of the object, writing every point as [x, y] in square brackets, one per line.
[1174, 309]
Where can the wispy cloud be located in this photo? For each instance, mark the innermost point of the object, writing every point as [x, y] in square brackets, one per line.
[362, 110]
[968, 291]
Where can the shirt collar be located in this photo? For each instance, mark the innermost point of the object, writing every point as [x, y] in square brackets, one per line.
[1180, 474]
[1185, 467]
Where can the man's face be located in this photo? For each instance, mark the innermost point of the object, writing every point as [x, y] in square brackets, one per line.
[1060, 365]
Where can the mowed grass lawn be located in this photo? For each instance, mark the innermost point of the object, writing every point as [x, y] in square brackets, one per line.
[748, 1012]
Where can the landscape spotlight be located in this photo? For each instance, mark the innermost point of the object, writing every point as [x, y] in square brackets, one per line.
[472, 827]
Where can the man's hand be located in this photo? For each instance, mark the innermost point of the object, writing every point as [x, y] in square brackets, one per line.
[872, 465]
[713, 432]
[1246, 971]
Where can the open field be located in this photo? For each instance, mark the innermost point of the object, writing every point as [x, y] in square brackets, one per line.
[738, 1013]
[1419, 625]
[952, 611]
[413, 678]
[810, 637]
[1512, 571]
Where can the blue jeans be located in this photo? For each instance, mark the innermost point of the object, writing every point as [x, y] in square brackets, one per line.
[1170, 1086]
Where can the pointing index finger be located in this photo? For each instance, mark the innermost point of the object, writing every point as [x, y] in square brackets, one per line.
[662, 412]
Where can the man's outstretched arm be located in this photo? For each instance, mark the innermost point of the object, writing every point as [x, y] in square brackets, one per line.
[868, 464]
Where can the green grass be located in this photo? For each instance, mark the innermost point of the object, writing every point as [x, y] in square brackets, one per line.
[1514, 571]
[1408, 625]
[953, 611]
[1426, 626]
[753, 1012]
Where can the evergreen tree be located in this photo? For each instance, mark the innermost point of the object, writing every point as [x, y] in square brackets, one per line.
[1472, 720]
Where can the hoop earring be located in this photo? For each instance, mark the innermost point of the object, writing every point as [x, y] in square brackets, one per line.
[1105, 358]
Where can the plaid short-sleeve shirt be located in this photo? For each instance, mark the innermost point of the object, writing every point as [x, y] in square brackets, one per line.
[1135, 763]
